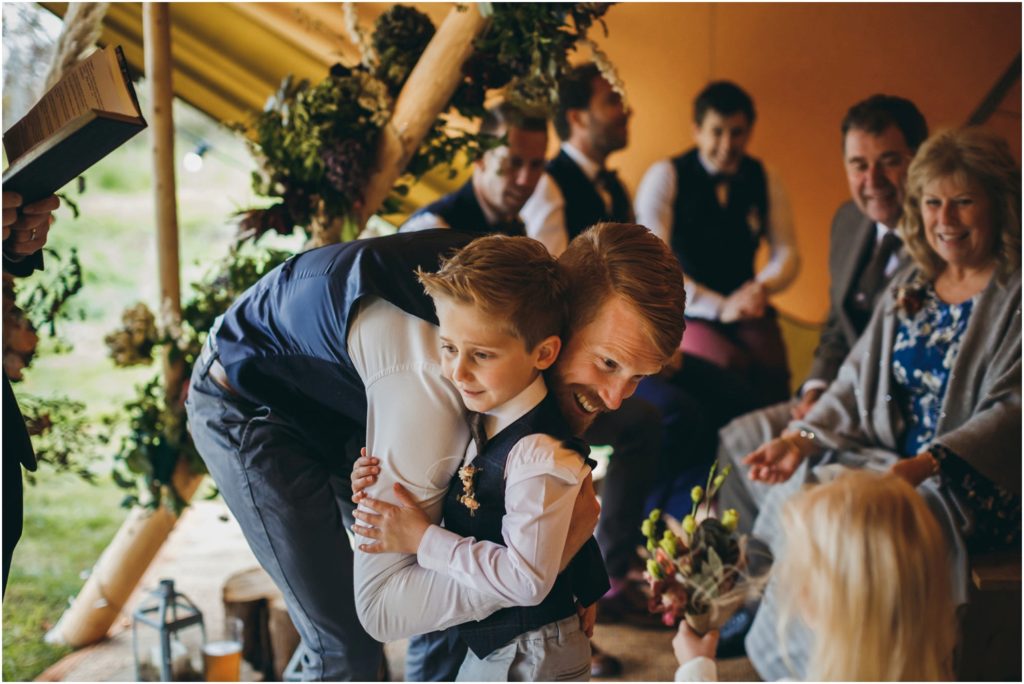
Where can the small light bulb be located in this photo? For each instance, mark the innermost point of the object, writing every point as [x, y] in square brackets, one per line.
[192, 162]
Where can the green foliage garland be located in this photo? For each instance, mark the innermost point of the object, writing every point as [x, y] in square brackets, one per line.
[157, 432]
[315, 144]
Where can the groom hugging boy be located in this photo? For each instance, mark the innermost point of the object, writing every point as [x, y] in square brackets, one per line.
[500, 305]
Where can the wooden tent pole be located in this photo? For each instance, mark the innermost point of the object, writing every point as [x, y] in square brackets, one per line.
[425, 95]
[137, 542]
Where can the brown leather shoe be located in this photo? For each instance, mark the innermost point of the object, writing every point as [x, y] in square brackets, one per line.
[603, 665]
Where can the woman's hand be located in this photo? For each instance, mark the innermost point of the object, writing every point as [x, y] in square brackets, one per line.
[917, 469]
[688, 645]
[397, 529]
[364, 473]
[777, 460]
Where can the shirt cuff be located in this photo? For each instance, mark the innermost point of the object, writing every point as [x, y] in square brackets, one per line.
[699, 669]
[812, 384]
[436, 548]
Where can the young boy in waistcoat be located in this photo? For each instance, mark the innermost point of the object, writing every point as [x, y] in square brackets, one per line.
[500, 305]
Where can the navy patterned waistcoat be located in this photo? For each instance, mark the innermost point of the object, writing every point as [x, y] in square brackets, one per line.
[716, 245]
[284, 342]
[585, 578]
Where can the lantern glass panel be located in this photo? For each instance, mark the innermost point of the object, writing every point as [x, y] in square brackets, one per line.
[168, 637]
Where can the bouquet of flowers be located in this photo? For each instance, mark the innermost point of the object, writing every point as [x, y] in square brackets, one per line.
[695, 569]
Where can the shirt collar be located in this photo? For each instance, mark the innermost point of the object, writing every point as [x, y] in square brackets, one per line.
[500, 417]
[589, 167]
[708, 166]
[492, 218]
[881, 230]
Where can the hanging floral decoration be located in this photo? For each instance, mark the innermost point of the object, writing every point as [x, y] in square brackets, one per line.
[316, 144]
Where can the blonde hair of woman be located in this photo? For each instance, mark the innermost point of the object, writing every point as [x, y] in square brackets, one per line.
[867, 569]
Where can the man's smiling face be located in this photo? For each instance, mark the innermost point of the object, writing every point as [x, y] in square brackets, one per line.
[602, 363]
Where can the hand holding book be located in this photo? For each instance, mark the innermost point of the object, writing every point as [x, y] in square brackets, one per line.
[86, 115]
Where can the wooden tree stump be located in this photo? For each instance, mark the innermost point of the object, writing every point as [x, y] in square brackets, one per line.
[268, 636]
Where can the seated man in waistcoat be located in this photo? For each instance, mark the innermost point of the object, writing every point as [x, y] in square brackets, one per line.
[503, 179]
[340, 345]
[715, 204]
[880, 136]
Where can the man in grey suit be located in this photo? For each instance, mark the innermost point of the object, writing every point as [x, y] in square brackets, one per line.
[880, 136]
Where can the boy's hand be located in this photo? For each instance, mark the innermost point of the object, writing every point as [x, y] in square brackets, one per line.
[688, 645]
[583, 523]
[364, 473]
[397, 529]
[588, 617]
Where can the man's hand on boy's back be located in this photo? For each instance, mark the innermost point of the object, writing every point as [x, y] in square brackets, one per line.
[366, 469]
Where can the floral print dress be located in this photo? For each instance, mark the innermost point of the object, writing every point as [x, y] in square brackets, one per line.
[927, 344]
[928, 340]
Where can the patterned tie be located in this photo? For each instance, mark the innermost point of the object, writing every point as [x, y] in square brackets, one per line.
[873, 276]
[476, 429]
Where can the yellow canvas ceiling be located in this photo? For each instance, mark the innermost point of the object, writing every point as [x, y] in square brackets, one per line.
[229, 57]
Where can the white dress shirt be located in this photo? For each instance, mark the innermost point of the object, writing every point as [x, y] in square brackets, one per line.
[416, 427]
[655, 203]
[544, 213]
[542, 479]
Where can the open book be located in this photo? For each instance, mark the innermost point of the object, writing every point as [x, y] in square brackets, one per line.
[85, 116]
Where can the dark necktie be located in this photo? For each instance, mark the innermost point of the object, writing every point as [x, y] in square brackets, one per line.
[873, 276]
[616, 201]
[476, 429]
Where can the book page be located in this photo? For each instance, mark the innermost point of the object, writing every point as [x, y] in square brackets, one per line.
[95, 83]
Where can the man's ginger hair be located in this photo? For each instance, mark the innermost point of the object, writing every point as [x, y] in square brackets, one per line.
[626, 260]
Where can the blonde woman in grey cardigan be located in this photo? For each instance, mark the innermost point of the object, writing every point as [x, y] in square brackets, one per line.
[931, 391]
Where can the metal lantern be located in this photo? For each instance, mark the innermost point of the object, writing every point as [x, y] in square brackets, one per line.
[172, 650]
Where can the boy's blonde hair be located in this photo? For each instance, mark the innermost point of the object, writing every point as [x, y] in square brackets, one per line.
[866, 558]
[511, 279]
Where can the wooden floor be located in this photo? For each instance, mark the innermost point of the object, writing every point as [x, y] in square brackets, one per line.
[207, 546]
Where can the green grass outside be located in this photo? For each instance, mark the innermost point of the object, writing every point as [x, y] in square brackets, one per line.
[69, 522]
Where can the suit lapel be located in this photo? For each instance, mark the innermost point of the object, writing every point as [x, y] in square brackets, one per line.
[861, 244]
